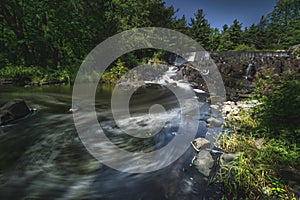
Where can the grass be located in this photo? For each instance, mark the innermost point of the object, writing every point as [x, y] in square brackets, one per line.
[266, 142]
[255, 174]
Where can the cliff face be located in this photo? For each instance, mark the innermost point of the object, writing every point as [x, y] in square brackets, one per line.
[238, 71]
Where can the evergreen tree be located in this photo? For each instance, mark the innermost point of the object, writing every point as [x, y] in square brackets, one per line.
[214, 38]
[181, 25]
[284, 24]
[200, 29]
[261, 37]
[225, 42]
[235, 34]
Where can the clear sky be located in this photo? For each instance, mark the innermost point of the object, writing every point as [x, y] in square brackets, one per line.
[220, 12]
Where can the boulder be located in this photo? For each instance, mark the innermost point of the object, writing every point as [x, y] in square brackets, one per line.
[228, 157]
[204, 162]
[13, 110]
[201, 144]
[213, 122]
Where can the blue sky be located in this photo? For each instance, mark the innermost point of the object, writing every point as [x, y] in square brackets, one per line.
[220, 12]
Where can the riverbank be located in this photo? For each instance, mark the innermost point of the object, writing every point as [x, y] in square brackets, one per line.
[265, 167]
[263, 133]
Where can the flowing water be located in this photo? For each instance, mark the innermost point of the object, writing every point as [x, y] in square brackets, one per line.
[42, 156]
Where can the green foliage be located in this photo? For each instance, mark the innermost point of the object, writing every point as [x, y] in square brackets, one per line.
[60, 74]
[214, 38]
[25, 75]
[181, 25]
[158, 57]
[283, 28]
[280, 111]
[256, 173]
[114, 73]
[200, 29]
[231, 37]
[130, 60]
[296, 52]
[244, 47]
[279, 30]
[48, 34]
[21, 74]
[266, 140]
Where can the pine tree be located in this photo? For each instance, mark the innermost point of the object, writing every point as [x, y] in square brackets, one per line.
[231, 37]
[180, 25]
[200, 29]
[235, 33]
[283, 28]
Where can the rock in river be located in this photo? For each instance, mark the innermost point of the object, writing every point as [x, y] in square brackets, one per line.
[201, 144]
[13, 110]
[213, 122]
[204, 162]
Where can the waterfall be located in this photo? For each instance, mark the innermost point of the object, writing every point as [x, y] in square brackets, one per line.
[169, 78]
[248, 70]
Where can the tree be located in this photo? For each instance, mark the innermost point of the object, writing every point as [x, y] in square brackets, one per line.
[14, 29]
[180, 25]
[225, 42]
[249, 35]
[214, 39]
[284, 24]
[200, 29]
[60, 33]
[235, 32]
[231, 37]
[261, 37]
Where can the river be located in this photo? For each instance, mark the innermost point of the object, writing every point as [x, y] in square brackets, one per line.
[42, 156]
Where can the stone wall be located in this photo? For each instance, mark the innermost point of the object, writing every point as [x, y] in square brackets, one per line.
[233, 69]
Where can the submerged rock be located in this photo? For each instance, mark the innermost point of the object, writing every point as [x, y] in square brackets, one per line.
[13, 110]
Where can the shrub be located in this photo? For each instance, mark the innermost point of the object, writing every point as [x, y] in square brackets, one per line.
[266, 140]
[280, 108]
[244, 47]
[21, 75]
[60, 74]
[114, 73]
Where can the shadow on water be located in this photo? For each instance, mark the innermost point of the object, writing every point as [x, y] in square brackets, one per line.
[42, 157]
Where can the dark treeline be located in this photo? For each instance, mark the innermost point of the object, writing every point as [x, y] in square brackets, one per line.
[54, 33]
[279, 30]
[50, 34]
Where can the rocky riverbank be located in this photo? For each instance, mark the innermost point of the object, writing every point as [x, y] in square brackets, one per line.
[207, 159]
[246, 160]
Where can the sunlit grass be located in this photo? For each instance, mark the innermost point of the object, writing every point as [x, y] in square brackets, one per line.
[256, 173]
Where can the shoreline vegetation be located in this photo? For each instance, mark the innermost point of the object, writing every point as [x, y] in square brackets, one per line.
[46, 41]
[265, 139]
